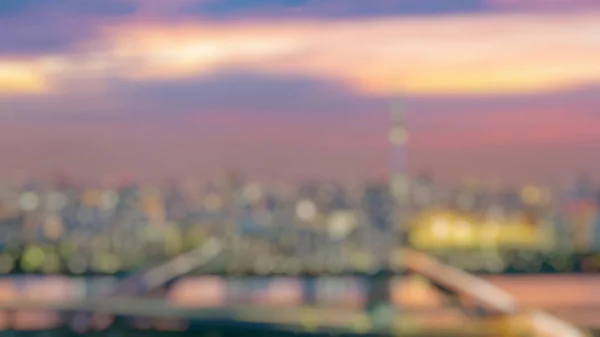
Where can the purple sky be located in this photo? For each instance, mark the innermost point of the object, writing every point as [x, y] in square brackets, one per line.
[287, 89]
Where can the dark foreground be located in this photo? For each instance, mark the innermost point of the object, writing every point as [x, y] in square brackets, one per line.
[210, 332]
[121, 328]
[206, 332]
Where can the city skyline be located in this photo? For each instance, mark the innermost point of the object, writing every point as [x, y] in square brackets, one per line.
[300, 88]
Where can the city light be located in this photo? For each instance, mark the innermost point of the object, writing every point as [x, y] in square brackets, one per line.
[306, 210]
[325, 168]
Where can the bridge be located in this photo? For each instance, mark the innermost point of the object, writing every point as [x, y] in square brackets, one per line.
[478, 299]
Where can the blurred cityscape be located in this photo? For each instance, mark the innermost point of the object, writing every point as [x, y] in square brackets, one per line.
[62, 227]
[315, 92]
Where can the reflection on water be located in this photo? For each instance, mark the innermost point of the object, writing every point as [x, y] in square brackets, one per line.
[569, 297]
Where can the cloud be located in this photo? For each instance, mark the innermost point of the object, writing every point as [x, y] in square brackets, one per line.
[552, 5]
[139, 84]
[238, 9]
[85, 7]
[224, 95]
[41, 33]
[250, 93]
[468, 54]
[235, 9]
[38, 26]
[330, 9]
[272, 126]
[50, 26]
[240, 92]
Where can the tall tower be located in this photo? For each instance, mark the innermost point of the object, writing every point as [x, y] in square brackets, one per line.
[399, 182]
[379, 286]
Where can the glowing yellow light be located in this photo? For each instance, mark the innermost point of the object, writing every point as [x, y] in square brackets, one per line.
[21, 78]
[33, 258]
[341, 224]
[490, 230]
[306, 210]
[441, 228]
[463, 231]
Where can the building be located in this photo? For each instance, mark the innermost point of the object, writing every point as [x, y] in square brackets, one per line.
[595, 237]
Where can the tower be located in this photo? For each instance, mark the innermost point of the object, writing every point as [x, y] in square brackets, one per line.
[379, 286]
[399, 182]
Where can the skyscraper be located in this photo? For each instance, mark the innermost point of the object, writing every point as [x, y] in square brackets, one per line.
[595, 235]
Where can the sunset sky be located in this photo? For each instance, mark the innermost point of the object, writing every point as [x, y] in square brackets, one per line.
[300, 88]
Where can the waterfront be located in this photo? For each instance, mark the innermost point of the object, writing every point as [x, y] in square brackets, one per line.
[572, 298]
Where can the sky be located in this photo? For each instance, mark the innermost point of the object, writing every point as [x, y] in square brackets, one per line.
[287, 89]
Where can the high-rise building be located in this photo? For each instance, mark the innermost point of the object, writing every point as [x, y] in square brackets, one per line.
[583, 187]
[377, 206]
[595, 244]
[423, 191]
